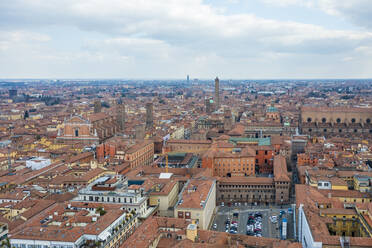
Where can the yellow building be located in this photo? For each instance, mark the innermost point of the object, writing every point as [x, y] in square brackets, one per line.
[198, 202]
[327, 182]
[4, 153]
[165, 196]
[344, 222]
[362, 183]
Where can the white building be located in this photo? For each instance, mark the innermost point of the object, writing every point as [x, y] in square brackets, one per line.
[38, 163]
[305, 236]
[118, 190]
[66, 226]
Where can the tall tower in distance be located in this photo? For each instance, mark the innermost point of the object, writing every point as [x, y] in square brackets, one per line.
[13, 93]
[217, 92]
[188, 79]
[120, 108]
[149, 115]
[97, 106]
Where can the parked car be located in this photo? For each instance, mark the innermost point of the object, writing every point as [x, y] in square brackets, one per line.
[215, 225]
[258, 214]
[274, 218]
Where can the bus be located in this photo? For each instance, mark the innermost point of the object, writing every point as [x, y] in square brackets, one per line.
[284, 228]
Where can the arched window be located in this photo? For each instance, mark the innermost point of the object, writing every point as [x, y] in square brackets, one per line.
[338, 120]
[324, 120]
[76, 132]
[309, 119]
[353, 120]
[368, 120]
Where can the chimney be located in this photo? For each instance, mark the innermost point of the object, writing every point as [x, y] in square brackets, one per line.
[192, 232]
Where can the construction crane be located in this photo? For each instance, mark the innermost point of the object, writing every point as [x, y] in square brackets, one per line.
[165, 154]
[166, 163]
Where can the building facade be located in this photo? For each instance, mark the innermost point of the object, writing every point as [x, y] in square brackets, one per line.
[197, 202]
[336, 121]
[78, 129]
[256, 189]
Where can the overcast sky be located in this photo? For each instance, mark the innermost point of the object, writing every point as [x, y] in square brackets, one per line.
[248, 39]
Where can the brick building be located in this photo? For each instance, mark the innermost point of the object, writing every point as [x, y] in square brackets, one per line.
[257, 189]
[237, 162]
[336, 121]
[78, 130]
[135, 152]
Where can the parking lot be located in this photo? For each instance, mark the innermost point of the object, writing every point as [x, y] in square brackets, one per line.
[254, 221]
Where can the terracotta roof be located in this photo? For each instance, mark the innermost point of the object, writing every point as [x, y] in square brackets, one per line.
[280, 169]
[196, 192]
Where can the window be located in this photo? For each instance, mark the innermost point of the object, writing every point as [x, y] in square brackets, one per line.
[368, 120]
[310, 130]
[324, 120]
[76, 132]
[353, 120]
[180, 214]
[265, 152]
[355, 130]
[325, 130]
[338, 120]
[340, 130]
[309, 119]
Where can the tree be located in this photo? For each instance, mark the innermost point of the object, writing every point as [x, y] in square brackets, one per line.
[101, 211]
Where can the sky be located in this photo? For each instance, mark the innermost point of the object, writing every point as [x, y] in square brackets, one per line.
[169, 39]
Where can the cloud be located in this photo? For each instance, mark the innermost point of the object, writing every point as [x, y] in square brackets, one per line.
[283, 3]
[357, 11]
[167, 36]
[10, 39]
